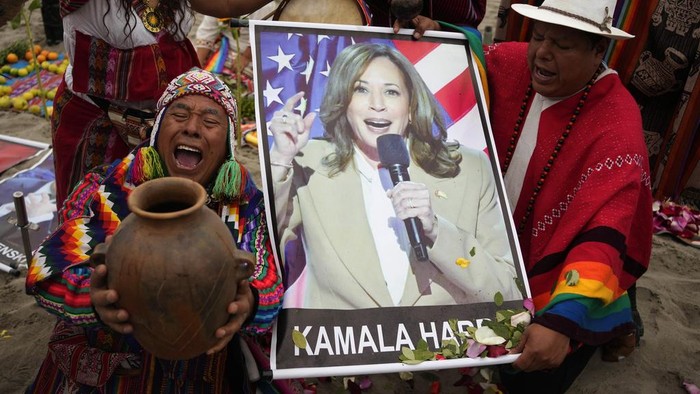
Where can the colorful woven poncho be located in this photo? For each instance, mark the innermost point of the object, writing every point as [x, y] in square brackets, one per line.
[83, 352]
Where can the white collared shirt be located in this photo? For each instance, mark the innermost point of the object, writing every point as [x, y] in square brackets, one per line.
[388, 231]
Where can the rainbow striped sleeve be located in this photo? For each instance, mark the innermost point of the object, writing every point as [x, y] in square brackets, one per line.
[59, 273]
[587, 303]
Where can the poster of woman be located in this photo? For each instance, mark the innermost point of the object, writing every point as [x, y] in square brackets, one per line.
[384, 198]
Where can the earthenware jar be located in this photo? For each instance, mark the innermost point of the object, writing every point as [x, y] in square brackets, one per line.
[175, 267]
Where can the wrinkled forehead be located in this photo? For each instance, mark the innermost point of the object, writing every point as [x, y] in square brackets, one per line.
[198, 103]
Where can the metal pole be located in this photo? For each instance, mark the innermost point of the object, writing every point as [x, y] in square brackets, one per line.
[9, 270]
[23, 224]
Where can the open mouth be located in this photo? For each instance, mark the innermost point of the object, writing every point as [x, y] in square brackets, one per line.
[380, 124]
[187, 157]
[543, 74]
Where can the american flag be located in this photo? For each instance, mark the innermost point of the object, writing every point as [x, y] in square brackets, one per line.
[297, 60]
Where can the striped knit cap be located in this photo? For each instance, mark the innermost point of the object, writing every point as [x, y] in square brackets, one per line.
[232, 178]
[198, 81]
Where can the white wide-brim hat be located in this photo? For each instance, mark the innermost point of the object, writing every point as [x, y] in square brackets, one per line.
[592, 16]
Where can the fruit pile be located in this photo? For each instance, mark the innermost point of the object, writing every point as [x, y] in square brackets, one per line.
[16, 66]
[21, 102]
[35, 58]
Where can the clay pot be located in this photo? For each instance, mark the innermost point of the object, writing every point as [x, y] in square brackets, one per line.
[176, 268]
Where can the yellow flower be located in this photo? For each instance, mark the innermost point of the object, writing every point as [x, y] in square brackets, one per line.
[462, 262]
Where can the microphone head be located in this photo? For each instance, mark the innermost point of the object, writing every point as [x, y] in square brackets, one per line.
[392, 150]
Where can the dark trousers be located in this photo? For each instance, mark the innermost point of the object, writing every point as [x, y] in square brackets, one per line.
[551, 382]
[53, 24]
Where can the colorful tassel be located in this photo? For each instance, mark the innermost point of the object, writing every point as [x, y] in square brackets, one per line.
[230, 182]
[147, 165]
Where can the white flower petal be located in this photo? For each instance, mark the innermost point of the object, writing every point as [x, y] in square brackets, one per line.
[487, 336]
[523, 318]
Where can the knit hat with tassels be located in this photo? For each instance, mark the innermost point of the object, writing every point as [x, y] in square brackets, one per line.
[232, 177]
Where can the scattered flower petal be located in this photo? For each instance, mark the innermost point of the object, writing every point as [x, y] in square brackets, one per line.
[497, 351]
[529, 305]
[365, 383]
[487, 336]
[679, 220]
[475, 349]
[462, 262]
[691, 388]
[523, 318]
[487, 374]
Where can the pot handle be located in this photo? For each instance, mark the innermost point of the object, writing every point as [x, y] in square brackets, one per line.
[98, 255]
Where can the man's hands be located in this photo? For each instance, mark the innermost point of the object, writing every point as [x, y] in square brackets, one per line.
[104, 299]
[541, 348]
[239, 310]
[420, 23]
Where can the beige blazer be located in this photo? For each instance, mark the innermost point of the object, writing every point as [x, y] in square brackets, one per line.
[327, 216]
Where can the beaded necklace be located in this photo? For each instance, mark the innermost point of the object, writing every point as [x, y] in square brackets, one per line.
[560, 142]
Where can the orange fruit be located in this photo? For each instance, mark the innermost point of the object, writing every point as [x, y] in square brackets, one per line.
[52, 56]
[44, 53]
[11, 58]
[29, 55]
[40, 59]
[37, 49]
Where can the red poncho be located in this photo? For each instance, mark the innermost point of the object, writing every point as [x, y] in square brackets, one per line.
[592, 218]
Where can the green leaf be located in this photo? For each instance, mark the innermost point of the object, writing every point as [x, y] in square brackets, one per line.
[498, 298]
[572, 278]
[16, 21]
[34, 5]
[472, 251]
[421, 354]
[500, 329]
[515, 339]
[471, 331]
[422, 345]
[299, 339]
[408, 353]
[505, 314]
[453, 325]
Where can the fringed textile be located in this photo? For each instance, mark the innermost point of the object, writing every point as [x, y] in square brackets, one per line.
[217, 61]
[230, 181]
[147, 165]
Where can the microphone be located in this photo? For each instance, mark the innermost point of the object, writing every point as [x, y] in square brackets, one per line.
[393, 156]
